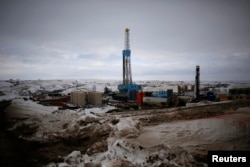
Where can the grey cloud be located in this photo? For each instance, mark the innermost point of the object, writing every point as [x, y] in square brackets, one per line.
[168, 38]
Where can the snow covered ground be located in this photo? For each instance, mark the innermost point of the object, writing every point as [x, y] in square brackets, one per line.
[178, 143]
[128, 142]
[118, 139]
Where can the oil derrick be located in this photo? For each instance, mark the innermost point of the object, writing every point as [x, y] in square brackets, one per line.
[127, 88]
[127, 74]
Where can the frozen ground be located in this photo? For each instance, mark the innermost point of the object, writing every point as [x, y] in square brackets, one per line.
[91, 137]
[174, 143]
[132, 138]
[216, 133]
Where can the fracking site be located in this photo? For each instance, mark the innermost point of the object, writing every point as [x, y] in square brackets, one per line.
[132, 95]
[89, 123]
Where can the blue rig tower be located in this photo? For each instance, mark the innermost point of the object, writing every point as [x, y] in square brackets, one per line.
[127, 88]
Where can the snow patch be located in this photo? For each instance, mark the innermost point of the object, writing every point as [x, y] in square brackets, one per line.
[21, 108]
[127, 127]
[4, 84]
[98, 110]
[244, 109]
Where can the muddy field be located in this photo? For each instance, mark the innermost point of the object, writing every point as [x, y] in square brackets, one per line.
[164, 137]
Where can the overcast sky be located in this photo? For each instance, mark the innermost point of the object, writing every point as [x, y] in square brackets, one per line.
[84, 39]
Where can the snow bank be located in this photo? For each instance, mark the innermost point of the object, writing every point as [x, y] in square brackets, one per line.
[98, 110]
[127, 127]
[8, 97]
[124, 153]
[4, 84]
[21, 108]
[74, 159]
[6, 92]
[244, 109]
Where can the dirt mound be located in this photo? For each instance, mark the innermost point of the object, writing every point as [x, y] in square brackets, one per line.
[180, 137]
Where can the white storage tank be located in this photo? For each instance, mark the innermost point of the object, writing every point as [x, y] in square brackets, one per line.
[78, 98]
[95, 98]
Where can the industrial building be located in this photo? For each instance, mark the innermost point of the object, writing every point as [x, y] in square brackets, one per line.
[182, 89]
[240, 93]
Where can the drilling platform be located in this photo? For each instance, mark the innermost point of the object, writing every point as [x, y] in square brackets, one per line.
[127, 88]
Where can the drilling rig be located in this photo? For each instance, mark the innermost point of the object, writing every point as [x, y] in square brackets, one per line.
[197, 83]
[127, 88]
